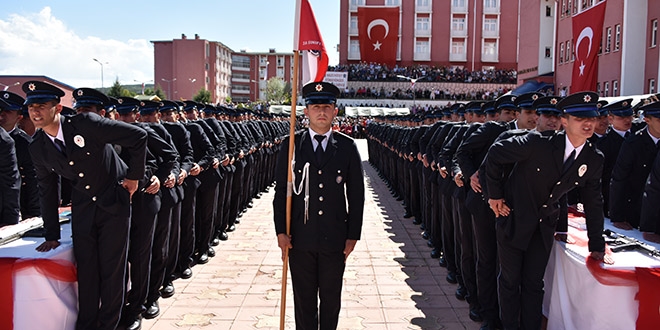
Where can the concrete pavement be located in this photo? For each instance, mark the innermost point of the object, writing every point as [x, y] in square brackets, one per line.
[390, 282]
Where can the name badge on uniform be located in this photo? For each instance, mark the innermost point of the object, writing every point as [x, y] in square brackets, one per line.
[582, 170]
[339, 178]
[79, 141]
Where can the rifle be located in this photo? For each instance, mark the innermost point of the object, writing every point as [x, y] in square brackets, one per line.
[618, 242]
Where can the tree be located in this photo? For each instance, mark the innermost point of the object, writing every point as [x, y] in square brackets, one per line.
[117, 90]
[203, 96]
[158, 92]
[276, 91]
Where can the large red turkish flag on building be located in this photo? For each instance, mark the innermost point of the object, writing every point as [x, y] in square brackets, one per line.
[379, 34]
[587, 34]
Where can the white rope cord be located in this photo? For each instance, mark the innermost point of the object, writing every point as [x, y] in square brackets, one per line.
[304, 180]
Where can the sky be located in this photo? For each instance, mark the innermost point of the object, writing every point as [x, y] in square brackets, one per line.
[61, 39]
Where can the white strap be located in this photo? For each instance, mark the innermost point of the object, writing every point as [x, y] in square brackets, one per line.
[303, 180]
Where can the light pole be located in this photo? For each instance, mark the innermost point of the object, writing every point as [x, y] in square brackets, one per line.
[412, 81]
[143, 84]
[169, 87]
[101, 63]
[12, 85]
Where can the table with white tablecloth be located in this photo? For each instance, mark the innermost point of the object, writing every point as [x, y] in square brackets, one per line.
[45, 292]
[576, 296]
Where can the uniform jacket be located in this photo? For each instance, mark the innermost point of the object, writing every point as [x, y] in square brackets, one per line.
[650, 215]
[536, 184]
[336, 194]
[9, 181]
[29, 189]
[91, 164]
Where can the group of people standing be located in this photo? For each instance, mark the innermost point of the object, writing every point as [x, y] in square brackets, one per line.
[491, 184]
[153, 185]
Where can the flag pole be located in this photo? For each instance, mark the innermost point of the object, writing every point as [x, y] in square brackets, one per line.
[289, 182]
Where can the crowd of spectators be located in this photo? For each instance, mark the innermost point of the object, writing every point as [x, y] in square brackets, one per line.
[419, 93]
[378, 72]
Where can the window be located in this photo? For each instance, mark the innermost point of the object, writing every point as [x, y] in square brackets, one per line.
[280, 61]
[354, 49]
[598, 89]
[617, 36]
[548, 52]
[423, 3]
[654, 33]
[548, 11]
[280, 73]
[458, 47]
[568, 52]
[492, 4]
[561, 53]
[608, 39]
[422, 24]
[490, 51]
[575, 7]
[353, 25]
[615, 88]
[392, 2]
[606, 92]
[458, 3]
[263, 60]
[651, 86]
[563, 8]
[422, 47]
[206, 66]
[458, 24]
[490, 25]
[207, 50]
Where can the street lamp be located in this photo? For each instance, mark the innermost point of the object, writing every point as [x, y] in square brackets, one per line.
[101, 63]
[143, 84]
[7, 86]
[169, 87]
[412, 81]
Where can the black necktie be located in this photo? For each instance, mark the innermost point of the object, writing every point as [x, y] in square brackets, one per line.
[319, 148]
[626, 135]
[59, 144]
[569, 161]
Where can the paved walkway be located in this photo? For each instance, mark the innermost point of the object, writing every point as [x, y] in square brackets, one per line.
[390, 282]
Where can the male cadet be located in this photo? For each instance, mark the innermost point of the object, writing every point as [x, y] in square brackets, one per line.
[203, 157]
[649, 223]
[10, 180]
[323, 230]
[549, 116]
[181, 139]
[169, 210]
[547, 166]
[11, 113]
[632, 168]
[161, 158]
[620, 116]
[80, 148]
[470, 156]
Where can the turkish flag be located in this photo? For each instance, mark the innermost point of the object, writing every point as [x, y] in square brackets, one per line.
[379, 34]
[307, 37]
[587, 33]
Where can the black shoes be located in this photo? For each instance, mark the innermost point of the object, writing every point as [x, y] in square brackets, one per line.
[186, 273]
[425, 235]
[211, 252]
[231, 228]
[136, 324]
[461, 292]
[451, 278]
[475, 315]
[215, 241]
[435, 254]
[167, 290]
[203, 258]
[407, 215]
[416, 221]
[152, 311]
[223, 236]
[442, 262]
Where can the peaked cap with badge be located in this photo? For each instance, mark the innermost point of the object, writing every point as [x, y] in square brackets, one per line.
[581, 104]
[40, 92]
[320, 93]
[89, 97]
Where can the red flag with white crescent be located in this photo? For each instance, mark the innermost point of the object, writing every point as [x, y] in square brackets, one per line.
[378, 30]
[587, 33]
[307, 37]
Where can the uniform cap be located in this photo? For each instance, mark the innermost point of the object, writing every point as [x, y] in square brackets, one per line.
[320, 93]
[89, 97]
[581, 104]
[40, 92]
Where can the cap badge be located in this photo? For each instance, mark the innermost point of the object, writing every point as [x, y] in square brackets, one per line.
[513, 98]
[80, 92]
[599, 105]
[141, 104]
[582, 170]
[6, 95]
[535, 97]
[161, 104]
[319, 87]
[553, 101]
[120, 101]
[625, 104]
[32, 87]
[587, 98]
[79, 141]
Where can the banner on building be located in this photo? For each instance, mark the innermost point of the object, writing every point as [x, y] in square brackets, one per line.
[378, 30]
[587, 34]
[339, 79]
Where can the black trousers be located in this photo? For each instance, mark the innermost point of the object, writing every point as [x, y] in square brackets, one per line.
[187, 233]
[207, 202]
[521, 282]
[100, 244]
[447, 231]
[174, 242]
[316, 276]
[160, 249]
[483, 223]
[468, 259]
[143, 222]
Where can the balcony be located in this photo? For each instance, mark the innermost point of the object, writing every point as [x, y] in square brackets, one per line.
[459, 33]
[492, 10]
[353, 55]
[459, 57]
[239, 80]
[491, 33]
[489, 57]
[459, 10]
[240, 91]
[240, 68]
[353, 31]
[422, 57]
[423, 9]
[422, 33]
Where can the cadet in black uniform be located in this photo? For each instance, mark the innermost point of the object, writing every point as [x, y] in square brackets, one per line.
[649, 223]
[10, 180]
[324, 231]
[10, 115]
[80, 148]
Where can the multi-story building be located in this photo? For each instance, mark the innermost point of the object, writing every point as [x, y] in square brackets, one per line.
[14, 83]
[473, 34]
[251, 71]
[182, 67]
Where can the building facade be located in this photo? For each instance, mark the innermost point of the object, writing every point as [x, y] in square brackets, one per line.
[14, 83]
[182, 67]
[473, 34]
[628, 57]
[251, 71]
